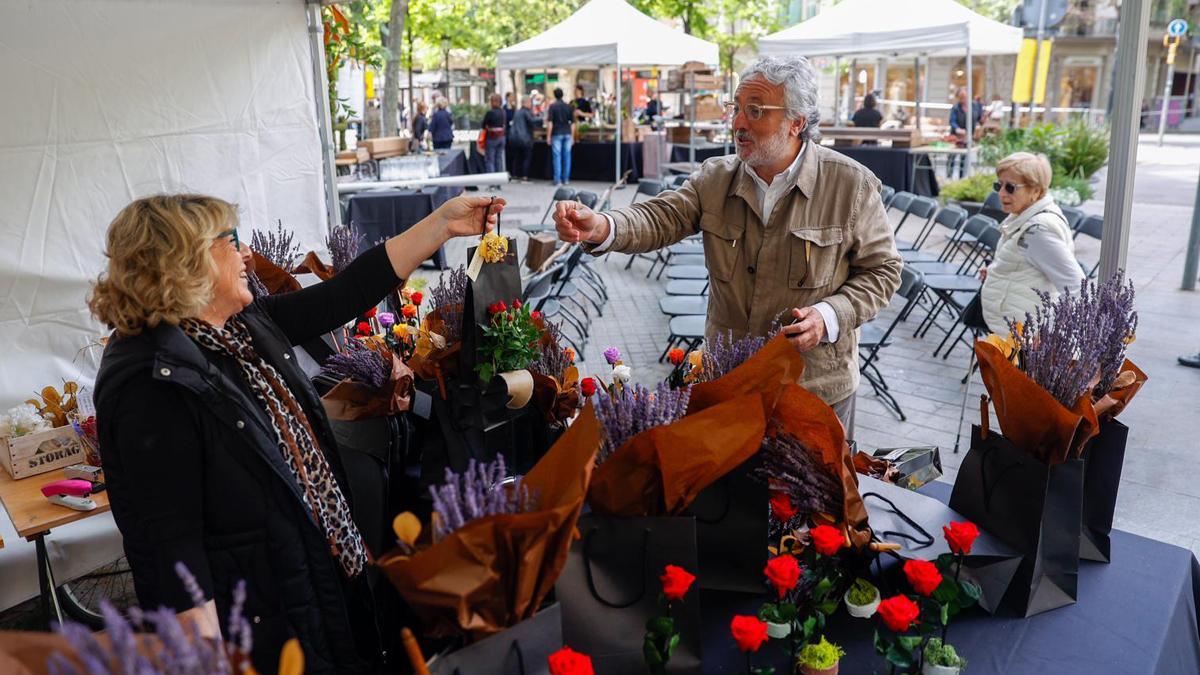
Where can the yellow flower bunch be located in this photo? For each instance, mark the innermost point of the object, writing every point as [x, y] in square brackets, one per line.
[493, 247]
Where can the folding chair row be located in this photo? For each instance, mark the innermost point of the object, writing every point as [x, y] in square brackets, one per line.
[873, 337]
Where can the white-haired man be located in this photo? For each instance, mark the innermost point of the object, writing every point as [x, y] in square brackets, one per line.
[788, 226]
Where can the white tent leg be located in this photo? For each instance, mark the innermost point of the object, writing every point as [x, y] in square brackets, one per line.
[617, 173]
[837, 90]
[917, 90]
[316, 29]
[970, 109]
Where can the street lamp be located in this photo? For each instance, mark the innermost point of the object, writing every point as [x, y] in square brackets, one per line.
[446, 52]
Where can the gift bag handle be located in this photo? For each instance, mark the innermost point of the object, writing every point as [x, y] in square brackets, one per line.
[989, 487]
[921, 542]
[587, 568]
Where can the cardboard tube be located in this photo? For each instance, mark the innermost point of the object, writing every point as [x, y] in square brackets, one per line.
[520, 388]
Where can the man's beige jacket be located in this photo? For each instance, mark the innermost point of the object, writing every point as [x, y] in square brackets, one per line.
[828, 239]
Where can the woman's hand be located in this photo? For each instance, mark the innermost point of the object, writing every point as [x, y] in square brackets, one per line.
[464, 216]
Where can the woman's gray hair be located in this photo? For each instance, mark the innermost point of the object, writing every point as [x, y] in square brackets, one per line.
[799, 81]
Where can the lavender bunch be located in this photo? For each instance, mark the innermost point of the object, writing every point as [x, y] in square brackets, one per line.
[552, 360]
[478, 492]
[257, 288]
[446, 295]
[358, 363]
[724, 353]
[343, 243]
[183, 651]
[1117, 322]
[276, 245]
[633, 409]
[1060, 344]
[787, 464]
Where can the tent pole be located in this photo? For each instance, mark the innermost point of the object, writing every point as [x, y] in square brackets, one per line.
[970, 109]
[917, 89]
[837, 90]
[617, 173]
[1128, 87]
[316, 33]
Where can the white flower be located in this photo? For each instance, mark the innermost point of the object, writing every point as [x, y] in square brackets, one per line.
[621, 373]
[21, 420]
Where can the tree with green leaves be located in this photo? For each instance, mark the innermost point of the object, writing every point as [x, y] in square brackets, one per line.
[351, 34]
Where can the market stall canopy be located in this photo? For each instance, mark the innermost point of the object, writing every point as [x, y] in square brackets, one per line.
[605, 32]
[890, 28]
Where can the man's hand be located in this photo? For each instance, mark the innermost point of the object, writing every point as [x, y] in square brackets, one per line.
[807, 330]
[983, 273]
[576, 222]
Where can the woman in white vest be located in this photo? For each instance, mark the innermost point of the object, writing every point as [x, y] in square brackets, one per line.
[1036, 251]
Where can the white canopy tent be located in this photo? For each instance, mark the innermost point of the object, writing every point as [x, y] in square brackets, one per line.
[878, 28]
[603, 33]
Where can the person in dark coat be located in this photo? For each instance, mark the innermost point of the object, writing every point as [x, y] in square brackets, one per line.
[420, 125]
[521, 139]
[441, 126]
[216, 450]
[867, 115]
[495, 124]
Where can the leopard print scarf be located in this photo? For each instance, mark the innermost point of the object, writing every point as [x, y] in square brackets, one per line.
[295, 438]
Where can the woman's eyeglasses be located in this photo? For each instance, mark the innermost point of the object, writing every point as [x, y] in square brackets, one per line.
[753, 111]
[233, 238]
[1010, 188]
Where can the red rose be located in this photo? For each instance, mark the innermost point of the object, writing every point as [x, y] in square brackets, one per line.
[676, 581]
[363, 328]
[497, 307]
[567, 661]
[783, 572]
[417, 297]
[535, 314]
[676, 356]
[781, 507]
[749, 632]
[408, 311]
[960, 536]
[923, 575]
[898, 613]
[517, 303]
[828, 540]
[588, 386]
[370, 313]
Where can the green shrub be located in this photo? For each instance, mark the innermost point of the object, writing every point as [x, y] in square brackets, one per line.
[973, 189]
[862, 592]
[1081, 186]
[940, 654]
[821, 655]
[1075, 149]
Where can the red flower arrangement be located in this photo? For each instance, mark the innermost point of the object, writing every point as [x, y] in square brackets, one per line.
[899, 613]
[370, 313]
[828, 540]
[749, 632]
[661, 636]
[675, 582]
[587, 386]
[782, 508]
[960, 537]
[676, 356]
[417, 297]
[783, 571]
[567, 661]
[497, 307]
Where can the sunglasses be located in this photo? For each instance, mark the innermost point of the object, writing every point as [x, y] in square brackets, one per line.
[753, 111]
[233, 237]
[1010, 188]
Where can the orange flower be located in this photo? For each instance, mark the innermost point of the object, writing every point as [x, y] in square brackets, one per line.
[676, 356]
[570, 354]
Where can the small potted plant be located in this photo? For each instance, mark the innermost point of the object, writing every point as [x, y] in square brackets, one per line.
[862, 599]
[942, 659]
[820, 658]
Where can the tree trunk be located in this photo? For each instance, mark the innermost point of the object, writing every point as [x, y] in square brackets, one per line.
[391, 75]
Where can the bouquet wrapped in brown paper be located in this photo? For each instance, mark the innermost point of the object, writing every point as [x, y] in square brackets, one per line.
[351, 400]
[436, 354]
[494, 571]
[274, 278]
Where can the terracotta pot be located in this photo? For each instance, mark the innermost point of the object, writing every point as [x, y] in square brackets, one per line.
[832, 670]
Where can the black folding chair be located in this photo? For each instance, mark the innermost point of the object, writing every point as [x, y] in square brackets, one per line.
[651, 188]
[587, 198]
[1072, 215]
[873, 338]
[950, 217]
[920, 207]
[560, 195]
[685, 331]
[886, 193]
[1091, 226]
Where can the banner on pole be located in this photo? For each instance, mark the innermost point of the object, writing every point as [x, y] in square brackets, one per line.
[1027, 86]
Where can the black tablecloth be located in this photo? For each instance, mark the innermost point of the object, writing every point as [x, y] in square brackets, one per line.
[1136, 615]
[380, 214]
[893, 166]
[589, 161]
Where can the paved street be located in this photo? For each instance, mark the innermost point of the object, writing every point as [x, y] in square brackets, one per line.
[1159, 496]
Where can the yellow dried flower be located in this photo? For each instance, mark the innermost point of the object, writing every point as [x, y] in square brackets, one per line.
[493, 247]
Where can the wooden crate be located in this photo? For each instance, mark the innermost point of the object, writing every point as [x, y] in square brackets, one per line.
[391, 146]
[29, 455]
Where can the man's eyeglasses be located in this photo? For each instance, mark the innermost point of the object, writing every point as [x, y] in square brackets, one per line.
[1010, 188]
[233, 238]
[753, 111]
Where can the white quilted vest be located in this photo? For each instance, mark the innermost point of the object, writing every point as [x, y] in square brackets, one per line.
[1012, 283]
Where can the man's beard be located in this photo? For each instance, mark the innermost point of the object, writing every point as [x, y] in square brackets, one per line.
[766, 151]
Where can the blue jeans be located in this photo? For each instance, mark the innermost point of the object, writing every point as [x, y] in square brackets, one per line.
[560, 155]
[493, 160]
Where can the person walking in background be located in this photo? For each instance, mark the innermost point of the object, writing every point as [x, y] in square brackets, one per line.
[867, 115]
[583, 107]
[521, 139]
[958, 128]
[558, 130]
[494, 124]
[420, 126]
[654, 109]
[441, 127]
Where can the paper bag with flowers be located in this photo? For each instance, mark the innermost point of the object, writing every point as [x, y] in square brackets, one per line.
[374, 381]
[555, 376]
[1063, 367]
[439, 339]
[495, 546]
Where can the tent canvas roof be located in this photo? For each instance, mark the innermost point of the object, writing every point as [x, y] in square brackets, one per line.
[606, 32]
[886, 27]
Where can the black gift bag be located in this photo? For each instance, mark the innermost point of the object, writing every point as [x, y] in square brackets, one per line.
[1102, 462]
[520, 650]
[496, 282]
[1034, 508]
[731, 531]
[915, 521]
[610, 587]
